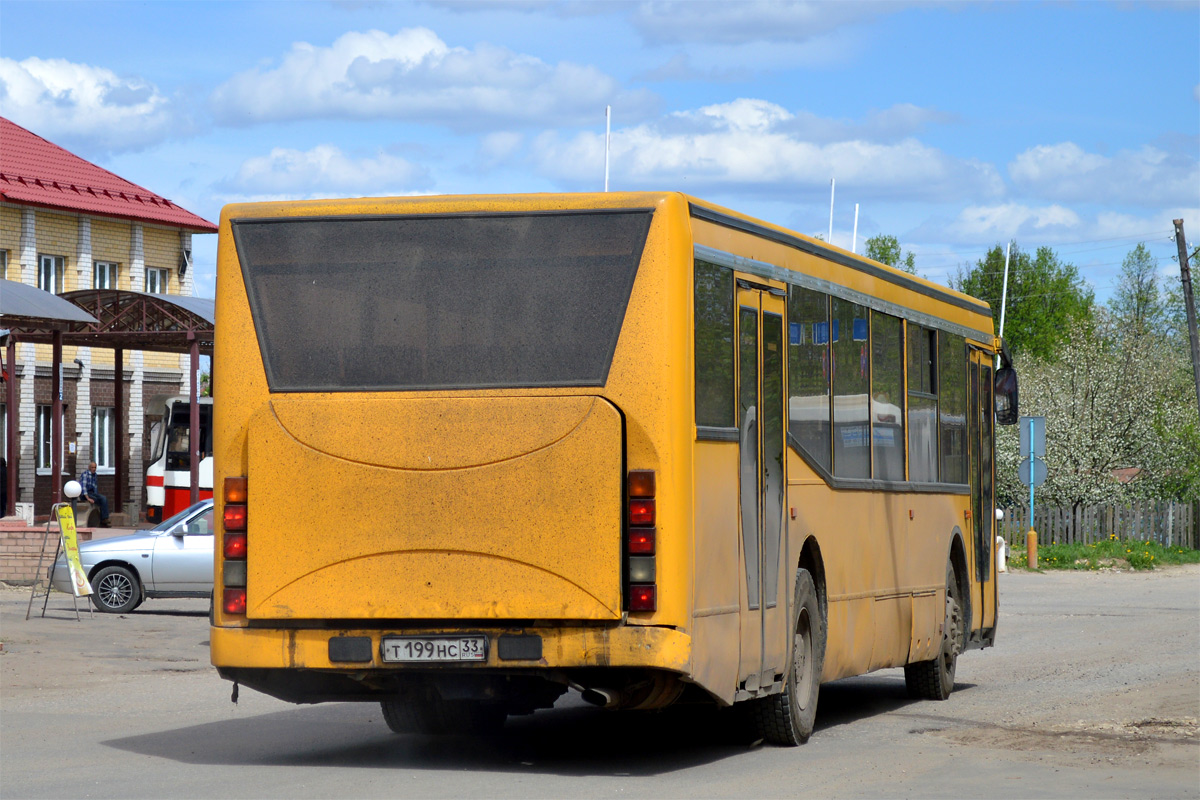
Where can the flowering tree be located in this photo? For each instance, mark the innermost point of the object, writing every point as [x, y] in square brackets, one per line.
[1112, 402]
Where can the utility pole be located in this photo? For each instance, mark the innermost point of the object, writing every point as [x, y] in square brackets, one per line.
[1186, 276]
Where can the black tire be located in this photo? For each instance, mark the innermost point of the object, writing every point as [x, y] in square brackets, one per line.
[934, 679]
[400, 716]
[438, 717]
[116, 590]
[788, 718]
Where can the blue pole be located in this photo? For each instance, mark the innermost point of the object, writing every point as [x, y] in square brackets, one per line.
[1032, 462]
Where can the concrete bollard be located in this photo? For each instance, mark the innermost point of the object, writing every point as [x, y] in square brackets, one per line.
[1031, 548]
[1001, 554]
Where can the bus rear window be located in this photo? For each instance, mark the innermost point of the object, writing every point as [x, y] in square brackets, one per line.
[440, 302]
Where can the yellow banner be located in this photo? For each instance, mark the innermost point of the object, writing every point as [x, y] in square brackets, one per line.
[66, 524]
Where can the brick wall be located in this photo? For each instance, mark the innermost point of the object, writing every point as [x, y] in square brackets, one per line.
[110, 242]
[58, 235]
[20, 549]
[10, 240]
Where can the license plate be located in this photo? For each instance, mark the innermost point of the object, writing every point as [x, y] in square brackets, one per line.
[435, 648]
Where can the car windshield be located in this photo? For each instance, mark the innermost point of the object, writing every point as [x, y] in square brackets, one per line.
[167, 524]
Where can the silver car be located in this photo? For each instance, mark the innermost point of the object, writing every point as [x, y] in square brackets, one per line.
[172, 559]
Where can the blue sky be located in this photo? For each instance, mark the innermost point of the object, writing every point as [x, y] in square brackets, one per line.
[954, 126]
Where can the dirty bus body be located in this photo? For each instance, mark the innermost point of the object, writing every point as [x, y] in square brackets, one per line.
[472, 451]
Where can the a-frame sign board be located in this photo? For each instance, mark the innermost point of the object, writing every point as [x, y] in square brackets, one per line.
[61, 522]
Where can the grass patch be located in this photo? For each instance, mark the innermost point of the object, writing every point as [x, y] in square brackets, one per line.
[1110, 554]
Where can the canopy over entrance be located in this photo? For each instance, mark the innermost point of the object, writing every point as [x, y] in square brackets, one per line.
[110, 318]
[30, 308]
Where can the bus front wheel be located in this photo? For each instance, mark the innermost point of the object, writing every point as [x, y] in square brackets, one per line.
[934, 679]
[788, 718]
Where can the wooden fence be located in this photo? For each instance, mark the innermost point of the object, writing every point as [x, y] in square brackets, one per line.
[1170, 523]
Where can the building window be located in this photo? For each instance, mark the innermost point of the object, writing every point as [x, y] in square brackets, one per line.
[43, 436]
[102, 442]
[104, 275]
[156, 280]
[4, 436]
[50, 273]
[4, 263]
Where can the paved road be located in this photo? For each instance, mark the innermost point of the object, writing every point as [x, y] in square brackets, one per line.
[1093, 691]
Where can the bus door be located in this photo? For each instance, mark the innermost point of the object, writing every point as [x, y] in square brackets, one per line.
[765, 604]
[983, 488]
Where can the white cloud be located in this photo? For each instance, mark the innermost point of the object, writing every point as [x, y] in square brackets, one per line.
[413, 75]
[325, 171]
[82, 106]
[1008, 221]
[1054, 225]
[751, 21]
[753, 144]
[1149, 176]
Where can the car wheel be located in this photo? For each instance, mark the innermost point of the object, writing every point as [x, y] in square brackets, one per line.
[115, 590]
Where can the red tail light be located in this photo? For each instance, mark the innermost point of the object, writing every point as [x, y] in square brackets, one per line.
[641, 511]
[641, 567]
[235, 545]
[234, 601]
[641, 540]
[235, 518]
[643, 598]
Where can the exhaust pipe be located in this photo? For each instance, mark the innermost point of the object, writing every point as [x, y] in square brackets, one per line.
[600, 697]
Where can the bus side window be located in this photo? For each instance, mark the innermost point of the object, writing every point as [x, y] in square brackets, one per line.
[851, 389]
[808, 374]
[922, 405]
[887, 397]
[952, 360]
[714, 346]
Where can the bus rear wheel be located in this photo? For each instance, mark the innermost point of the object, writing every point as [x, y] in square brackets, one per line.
[788, 718]
[432, 715]
[934, 679]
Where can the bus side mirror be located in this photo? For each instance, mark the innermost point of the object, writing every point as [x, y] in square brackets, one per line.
[1006, 396]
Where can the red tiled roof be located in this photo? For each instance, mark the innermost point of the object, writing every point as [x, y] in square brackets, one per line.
[36, 172]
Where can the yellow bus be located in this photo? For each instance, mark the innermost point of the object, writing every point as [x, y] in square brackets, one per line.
[475, 451]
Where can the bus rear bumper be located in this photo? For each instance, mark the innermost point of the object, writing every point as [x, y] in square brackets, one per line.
[298, 665]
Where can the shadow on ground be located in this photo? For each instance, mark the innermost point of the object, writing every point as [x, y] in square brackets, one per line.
[572, 739]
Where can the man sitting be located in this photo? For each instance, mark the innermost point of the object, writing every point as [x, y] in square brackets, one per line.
[91, 492]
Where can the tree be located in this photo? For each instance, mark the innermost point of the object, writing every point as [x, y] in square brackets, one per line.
[1137, 304]
[1046, 298]
[1111, 403]
[886, 250]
